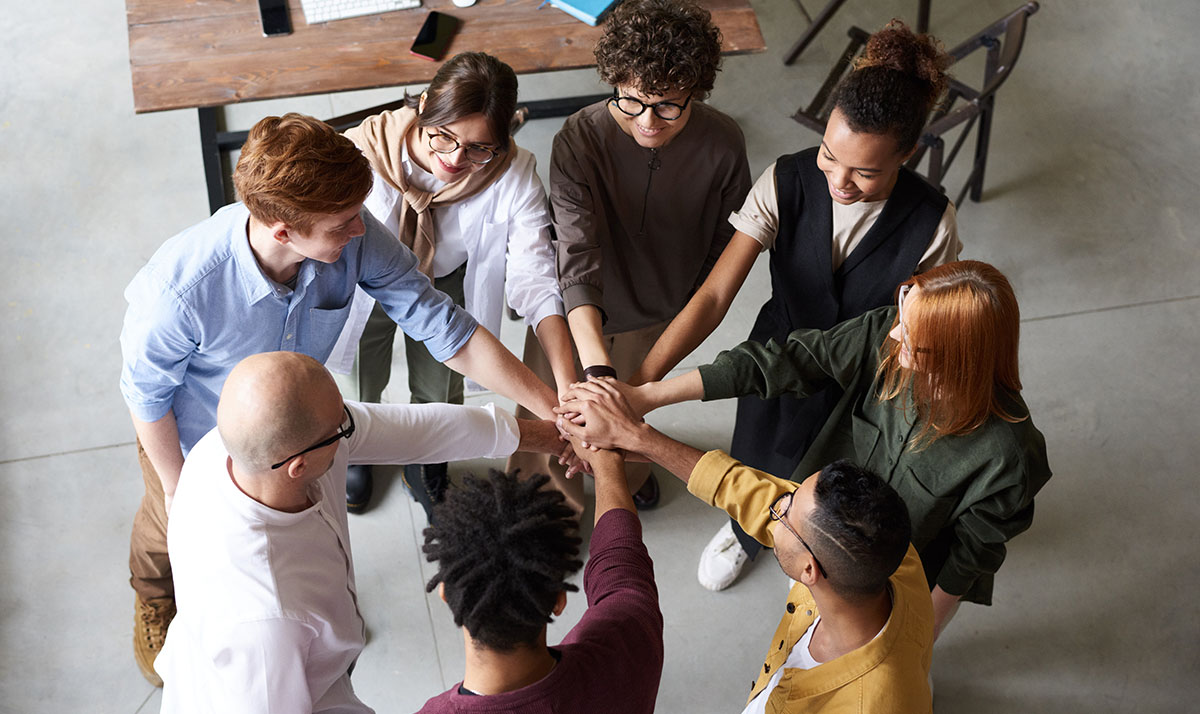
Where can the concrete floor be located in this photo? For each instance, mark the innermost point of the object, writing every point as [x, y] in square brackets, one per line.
[1090, 208]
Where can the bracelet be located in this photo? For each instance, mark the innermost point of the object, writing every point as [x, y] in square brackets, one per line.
[599, 370]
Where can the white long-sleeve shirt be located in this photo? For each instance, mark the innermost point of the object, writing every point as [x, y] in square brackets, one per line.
[268, 616]
[503, 234]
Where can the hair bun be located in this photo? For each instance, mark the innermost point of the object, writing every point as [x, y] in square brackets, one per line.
[898, 48]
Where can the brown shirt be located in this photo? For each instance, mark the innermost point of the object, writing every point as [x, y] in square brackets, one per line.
[637, 230]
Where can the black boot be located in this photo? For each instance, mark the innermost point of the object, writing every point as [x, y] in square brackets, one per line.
[427, 483]
[359, 485]
[647, 496]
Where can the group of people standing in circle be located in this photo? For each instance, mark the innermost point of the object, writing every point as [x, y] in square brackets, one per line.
[881, 374]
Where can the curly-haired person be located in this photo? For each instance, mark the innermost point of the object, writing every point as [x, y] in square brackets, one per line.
[641, 187]
[504, 548]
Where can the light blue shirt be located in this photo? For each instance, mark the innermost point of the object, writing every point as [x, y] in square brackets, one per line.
[202, 304]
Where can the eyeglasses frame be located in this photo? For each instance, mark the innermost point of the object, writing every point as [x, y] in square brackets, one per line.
[781, 516]
[616, 101]
[457, 145]
[342, 434]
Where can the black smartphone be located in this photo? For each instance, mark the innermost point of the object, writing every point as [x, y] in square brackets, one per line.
[434, 36]
[275, 19]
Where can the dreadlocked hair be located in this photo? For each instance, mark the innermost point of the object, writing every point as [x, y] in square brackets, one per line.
[504, 548]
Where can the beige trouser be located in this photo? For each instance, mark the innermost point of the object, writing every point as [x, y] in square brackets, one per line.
[626, 350]
[149, 566]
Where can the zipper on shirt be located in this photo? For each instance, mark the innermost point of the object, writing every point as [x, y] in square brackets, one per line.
[653, 164]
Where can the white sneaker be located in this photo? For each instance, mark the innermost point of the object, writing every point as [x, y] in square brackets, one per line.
[722, 560]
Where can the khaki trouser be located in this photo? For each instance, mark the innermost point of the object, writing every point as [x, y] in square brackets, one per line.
[149, 566]
[626, 350]
[429, 381]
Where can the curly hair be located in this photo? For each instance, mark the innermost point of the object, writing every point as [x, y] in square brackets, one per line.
[504, 548]
[894, 84]
[471, 83]
[860, 527]
[660, 46]
[295, 168]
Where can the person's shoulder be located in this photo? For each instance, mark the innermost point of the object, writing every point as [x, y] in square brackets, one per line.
[440, 703]
[190, 256]
[588, 121]
[720, 128]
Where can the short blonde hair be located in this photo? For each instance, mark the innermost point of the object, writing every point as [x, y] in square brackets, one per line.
[295, 168]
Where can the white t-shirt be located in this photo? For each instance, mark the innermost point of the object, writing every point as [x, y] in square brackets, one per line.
[798, 658]
[268, 616]
[759, 218]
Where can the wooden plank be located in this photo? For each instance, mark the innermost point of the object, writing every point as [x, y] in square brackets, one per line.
[211, 52]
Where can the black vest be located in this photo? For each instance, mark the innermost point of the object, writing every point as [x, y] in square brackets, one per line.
[807, 293]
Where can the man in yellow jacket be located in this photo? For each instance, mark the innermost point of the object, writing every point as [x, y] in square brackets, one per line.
[857, 631]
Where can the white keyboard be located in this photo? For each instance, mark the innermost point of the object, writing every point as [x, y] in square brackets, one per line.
[325, 10]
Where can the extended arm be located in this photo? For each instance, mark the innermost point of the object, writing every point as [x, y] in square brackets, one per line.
[555, 339]
[486, 361]
[703, 312]
[586, 327]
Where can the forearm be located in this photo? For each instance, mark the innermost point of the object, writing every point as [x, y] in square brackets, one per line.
[539, 436]
[555, 339]
[160, 441]
[684, 388]
[685, 333]
[944, 607]
[612, 490]
[588, 332]
[486, 361]
[674, 456]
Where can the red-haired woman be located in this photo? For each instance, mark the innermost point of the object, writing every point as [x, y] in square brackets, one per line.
[931, 401]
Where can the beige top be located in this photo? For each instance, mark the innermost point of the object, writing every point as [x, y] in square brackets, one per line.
[759, 219]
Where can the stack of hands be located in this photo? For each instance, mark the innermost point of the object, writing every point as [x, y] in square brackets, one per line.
[601, 413]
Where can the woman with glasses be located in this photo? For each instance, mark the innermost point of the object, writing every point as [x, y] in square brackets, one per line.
[451, 184]
[844, 223]
[930, 400]
[641, 187]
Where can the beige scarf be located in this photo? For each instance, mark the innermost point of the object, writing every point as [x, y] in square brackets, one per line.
[382, 138]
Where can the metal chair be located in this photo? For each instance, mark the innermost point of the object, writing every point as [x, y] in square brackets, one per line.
[964, 106]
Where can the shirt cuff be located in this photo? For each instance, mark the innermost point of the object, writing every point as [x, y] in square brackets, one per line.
[707, 475]
[547, 308]
[718, 382]
[454, 338]
[581, 294]
[764, 237]
[954, 579]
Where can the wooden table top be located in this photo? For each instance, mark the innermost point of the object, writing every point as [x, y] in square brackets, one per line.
[203, 53]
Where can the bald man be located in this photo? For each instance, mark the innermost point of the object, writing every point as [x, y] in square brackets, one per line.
[268, 617]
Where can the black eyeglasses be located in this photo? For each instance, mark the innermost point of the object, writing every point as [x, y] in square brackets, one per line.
[446, 144]
[343, 433]
[670, 111]
[779, 514]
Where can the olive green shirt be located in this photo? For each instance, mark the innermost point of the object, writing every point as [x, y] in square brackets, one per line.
[970, 493]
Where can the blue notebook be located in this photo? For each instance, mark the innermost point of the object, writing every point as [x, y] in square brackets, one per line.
[589, 11]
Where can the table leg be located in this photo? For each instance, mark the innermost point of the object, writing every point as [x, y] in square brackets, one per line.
[210, 151]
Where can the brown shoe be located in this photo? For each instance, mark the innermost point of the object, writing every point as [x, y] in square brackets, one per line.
[150, 621]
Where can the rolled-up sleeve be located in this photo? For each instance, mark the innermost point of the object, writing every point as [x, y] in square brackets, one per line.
[389, 273]
[577, 247]
[158, 338]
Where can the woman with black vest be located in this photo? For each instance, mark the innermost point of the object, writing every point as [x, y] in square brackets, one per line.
[845, 223]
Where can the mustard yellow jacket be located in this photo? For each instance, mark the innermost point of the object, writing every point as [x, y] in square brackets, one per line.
[889, 674]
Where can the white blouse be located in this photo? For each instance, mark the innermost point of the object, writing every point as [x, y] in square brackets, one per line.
[503, 233]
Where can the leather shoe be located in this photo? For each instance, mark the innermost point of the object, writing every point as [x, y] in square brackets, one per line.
[427, 483]
[647, 496]
[359, 485]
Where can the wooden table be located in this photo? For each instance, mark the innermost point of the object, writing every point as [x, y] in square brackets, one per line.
[207, 54]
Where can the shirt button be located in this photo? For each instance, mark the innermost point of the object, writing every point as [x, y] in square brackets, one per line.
[808, 612]
[289, 337]
[791, 608]
[766, 668]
